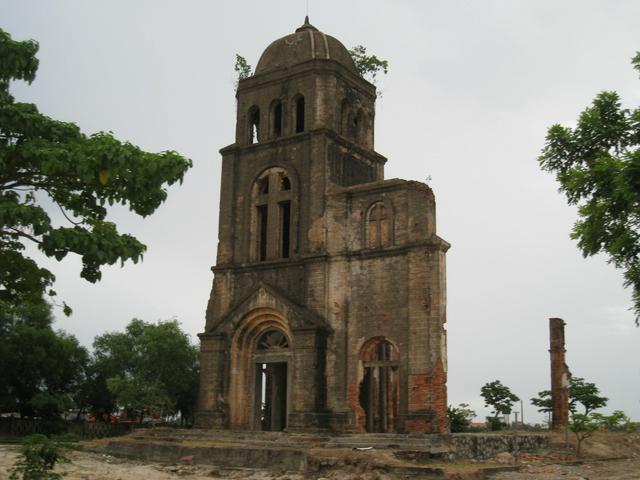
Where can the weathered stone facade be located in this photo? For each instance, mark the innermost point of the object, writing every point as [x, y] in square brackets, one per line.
[328, 303]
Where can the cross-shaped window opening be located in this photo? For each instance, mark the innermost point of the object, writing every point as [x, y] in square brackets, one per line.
[273, 204]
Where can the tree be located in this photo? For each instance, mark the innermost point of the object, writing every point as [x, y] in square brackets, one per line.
[583, 427]
[460, 417]
[500, 398]
[42, 369]
[585, 393]
[597, 164]
[45, 162]
[543, 401]
[149, 368]
[368, 65]
[580, 392]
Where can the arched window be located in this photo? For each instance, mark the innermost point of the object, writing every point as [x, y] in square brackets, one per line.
[272, 197]
[254, 124]
[299, 114]
[272, 340]
[378, 226]
[276, 119]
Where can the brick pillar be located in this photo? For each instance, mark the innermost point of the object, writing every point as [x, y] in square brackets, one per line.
[306, 412]
[559, 376]
[212, 411]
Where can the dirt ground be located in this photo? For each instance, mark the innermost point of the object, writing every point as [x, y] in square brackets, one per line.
[606, 456]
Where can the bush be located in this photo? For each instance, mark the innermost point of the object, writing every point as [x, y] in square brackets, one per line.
[460, 417]
[496, 423]
[38, 457]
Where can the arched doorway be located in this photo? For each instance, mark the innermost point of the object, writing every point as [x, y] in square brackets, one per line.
[378, 394]
[259, 371]
[270, 360]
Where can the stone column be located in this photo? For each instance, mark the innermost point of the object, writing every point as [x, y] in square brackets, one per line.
[559, 376]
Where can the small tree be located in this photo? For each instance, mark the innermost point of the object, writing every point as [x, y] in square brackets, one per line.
[500, 397]
[242, 67]
[583, 427]
[38, 457]
[368, 65]
[460, 417]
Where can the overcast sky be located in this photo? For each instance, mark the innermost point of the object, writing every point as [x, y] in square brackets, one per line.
[472, 88]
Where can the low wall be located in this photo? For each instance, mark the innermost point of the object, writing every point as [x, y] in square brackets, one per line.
[484, 447]
[232, 456]
[19, 427]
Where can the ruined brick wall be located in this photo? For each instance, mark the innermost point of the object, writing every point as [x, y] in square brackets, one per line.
[396, 292]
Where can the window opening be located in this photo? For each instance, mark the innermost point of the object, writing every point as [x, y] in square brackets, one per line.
[300, 115]
[277, 120]
[262, 228]
[285, 183]
[378, 226]
[345, 118]
[271, 232]
[285, 228]
[359, 127]
[254, 124]
[272, 340]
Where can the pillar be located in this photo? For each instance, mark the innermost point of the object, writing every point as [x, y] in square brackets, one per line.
[559, 376]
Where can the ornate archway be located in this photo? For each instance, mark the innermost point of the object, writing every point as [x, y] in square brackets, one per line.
[259, 371]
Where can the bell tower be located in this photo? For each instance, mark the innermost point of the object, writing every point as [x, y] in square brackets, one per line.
[305, 218]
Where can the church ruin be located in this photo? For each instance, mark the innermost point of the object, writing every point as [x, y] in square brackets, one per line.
[328, 304]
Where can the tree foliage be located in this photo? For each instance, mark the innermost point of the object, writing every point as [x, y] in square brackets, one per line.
[460, 417]
[597, 164]
[368, 65]
[149, 368]
[500, 398]
[242, 67]
[42, 369]
[45, 164]
[580, 392]
[618, 420]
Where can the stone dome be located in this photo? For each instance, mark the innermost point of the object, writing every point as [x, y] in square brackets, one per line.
[307, 43]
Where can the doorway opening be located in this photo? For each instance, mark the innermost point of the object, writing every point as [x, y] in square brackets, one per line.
[378, 393]
[270, 360]
[271, 396]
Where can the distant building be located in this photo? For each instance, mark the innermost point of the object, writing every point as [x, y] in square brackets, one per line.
[328, 304]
